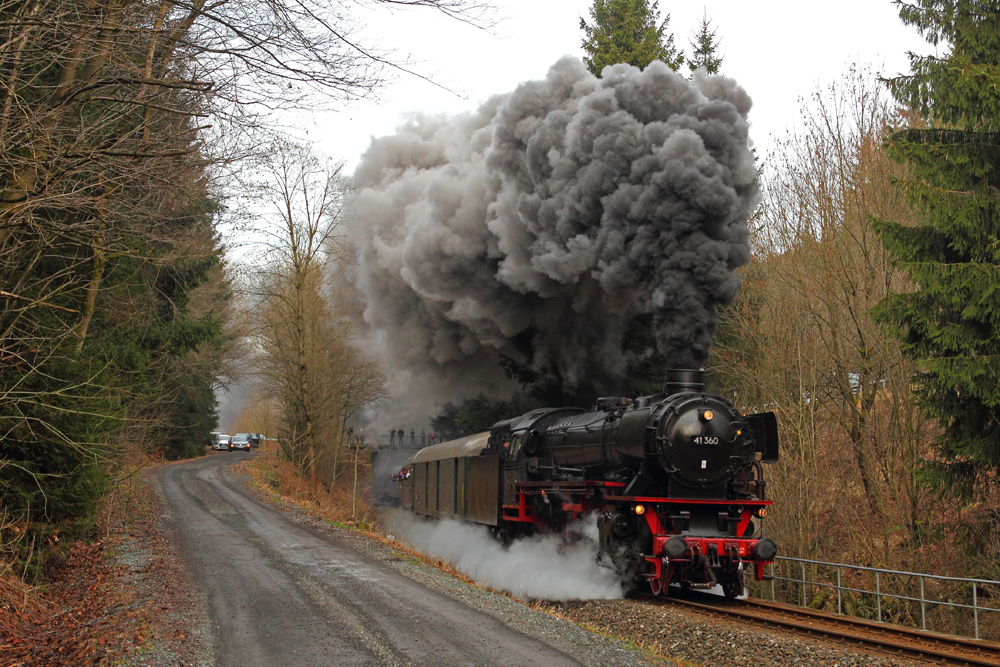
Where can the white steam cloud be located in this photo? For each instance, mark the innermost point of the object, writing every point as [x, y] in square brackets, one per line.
[557, 212]
[542, 567]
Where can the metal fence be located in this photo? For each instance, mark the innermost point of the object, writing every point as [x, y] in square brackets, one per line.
[968, 607]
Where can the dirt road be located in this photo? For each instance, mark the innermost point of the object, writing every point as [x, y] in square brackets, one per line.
[282, 593]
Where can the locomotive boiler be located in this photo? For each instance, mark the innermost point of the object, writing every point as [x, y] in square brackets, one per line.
[675, 479]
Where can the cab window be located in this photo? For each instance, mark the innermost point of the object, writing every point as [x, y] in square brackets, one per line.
[515, 447]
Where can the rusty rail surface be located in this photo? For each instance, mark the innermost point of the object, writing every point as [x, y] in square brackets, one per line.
[893, 640]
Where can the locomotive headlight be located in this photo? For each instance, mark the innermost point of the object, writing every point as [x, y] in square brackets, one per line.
[762, 512]
[640, 509]
[707, 415]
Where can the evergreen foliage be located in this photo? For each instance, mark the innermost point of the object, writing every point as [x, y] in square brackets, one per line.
[627, 31]
[705, 48]
[950, 322]
[106, 233]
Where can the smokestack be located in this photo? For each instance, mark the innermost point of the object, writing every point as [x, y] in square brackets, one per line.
[680, 380]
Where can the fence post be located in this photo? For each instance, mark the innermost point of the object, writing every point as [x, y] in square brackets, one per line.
[923, 607]
[975, 608]
[803, 584]
[878, 594]
[840, 606]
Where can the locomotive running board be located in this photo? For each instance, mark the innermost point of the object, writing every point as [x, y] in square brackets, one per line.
[686, 501]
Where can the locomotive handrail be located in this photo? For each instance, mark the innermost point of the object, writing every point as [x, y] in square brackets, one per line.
[882, 595]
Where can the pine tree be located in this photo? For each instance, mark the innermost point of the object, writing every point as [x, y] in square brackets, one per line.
[705, 48]
[627, 31]
[950, 321]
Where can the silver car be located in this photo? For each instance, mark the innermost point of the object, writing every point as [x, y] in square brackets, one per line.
[221, 442]
[240, 441]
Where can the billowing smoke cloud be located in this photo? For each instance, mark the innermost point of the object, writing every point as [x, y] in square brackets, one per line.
[543, 567]
[564, 209]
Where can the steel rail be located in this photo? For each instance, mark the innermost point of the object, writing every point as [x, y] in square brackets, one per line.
[895, 640]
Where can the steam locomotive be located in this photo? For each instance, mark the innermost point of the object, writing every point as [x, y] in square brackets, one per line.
[676, 480]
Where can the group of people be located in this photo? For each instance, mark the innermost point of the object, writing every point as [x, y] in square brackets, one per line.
[402, 474]
[398, 438]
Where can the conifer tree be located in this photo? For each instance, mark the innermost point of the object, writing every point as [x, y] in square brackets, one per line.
[705, 48]
[950, 320]
[627, 31]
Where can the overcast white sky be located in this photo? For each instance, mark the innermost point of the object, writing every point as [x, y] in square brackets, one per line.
[779, 50]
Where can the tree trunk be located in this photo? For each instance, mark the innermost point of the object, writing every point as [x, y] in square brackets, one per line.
[90, 298]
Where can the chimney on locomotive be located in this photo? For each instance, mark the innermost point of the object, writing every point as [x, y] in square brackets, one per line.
[680, 380]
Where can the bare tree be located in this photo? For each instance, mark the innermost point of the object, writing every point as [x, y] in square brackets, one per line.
[307, 358]
[802, 333]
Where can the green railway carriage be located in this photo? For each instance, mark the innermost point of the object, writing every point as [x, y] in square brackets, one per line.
[458, 479]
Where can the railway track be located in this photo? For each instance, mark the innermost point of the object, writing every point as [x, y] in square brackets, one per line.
[893, 640]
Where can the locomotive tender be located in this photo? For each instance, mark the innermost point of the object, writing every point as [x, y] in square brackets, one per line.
[675, 479]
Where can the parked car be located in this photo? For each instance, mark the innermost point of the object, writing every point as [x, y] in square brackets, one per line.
[255, 439]
[240, 441]
[221, 442]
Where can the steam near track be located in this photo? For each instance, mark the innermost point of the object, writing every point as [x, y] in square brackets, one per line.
[542, 567]
[565, 207]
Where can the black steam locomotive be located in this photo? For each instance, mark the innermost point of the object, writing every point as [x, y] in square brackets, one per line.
[675, 479]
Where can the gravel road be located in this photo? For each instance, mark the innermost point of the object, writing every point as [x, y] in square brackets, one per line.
[280, 592]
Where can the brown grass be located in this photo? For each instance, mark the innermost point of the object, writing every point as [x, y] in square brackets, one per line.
[341, 502]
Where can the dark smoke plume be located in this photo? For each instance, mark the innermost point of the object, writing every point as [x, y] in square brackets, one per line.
[563, 209]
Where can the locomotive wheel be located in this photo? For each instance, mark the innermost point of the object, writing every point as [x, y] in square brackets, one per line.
[656, 586]
[502, 536]
[732, 584]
